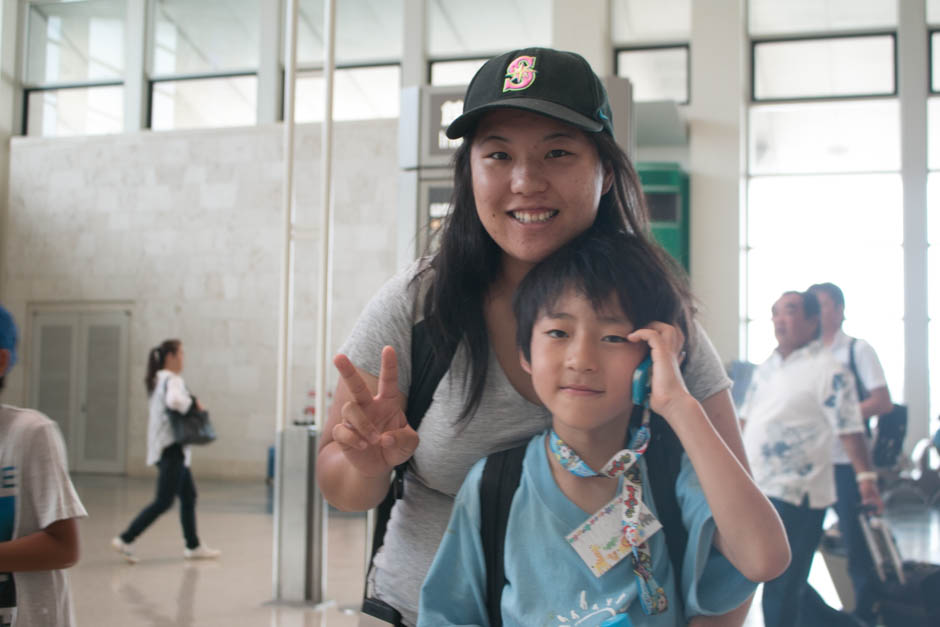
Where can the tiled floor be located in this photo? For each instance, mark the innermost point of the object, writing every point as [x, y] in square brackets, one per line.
[165, 590]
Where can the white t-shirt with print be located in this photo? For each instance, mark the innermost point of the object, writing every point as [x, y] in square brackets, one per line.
[794, 409]
[35, 491]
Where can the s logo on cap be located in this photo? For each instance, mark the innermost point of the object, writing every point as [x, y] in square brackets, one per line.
[520, 74]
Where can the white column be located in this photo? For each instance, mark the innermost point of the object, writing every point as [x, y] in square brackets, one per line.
[270, 75]
[136, 89]
[414, 55]
[717, 165]
[913, 72]
[11, 107]
[584, 27]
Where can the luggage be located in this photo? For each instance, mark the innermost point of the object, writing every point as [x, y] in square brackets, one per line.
[909, 594]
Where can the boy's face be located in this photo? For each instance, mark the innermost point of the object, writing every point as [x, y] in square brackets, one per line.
[582, 363]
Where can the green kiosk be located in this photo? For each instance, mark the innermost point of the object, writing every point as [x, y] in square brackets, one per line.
[666, 187]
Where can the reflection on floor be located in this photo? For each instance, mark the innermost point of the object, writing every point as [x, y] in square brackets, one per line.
[165, 590]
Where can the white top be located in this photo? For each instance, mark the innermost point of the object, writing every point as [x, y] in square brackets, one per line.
[170, 391]
[35, 491]
[794, 409]
[869, 371]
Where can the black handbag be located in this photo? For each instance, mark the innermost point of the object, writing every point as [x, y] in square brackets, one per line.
[193, 427]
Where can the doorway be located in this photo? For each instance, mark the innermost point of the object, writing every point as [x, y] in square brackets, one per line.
[78, 377]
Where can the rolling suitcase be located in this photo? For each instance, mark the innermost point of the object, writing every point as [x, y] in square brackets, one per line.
[909, 594]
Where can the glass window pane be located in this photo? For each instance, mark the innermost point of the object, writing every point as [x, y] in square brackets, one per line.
[195, 103]
[457, 28]
[75, 111]
[75, 41]
[769, 17]
[367, 31]
[656, 74]
[454, 72]
[844, 66]
[845, 229]
[935, 62]
[933, 11]
[205, 36]
[358, 94]
[641, 21]
[933, 133]
[825, 137]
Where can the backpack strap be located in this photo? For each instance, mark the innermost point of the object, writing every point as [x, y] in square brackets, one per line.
[859, 386]
[501, 474]
[427, 369]
[503, 470]
[663, 462]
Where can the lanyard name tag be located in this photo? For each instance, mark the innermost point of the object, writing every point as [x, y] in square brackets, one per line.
[604, 539]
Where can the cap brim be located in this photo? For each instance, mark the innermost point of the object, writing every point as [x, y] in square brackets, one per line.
[468, 119]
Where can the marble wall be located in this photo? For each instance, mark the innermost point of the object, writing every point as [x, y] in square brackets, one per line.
[186, 227]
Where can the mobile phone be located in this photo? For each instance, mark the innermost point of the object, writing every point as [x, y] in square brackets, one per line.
[641, 382]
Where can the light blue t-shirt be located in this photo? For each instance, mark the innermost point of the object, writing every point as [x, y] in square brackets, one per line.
[547, 583]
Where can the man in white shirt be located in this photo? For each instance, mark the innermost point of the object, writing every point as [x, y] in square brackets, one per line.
[799, 401]
[860, 359]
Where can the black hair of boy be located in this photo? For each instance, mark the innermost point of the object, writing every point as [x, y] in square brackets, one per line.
[598, 266]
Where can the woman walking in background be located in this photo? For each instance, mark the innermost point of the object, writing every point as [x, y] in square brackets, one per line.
[166, 389]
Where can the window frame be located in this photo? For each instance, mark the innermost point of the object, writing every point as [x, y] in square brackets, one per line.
[307, 68]
[757, 41]
[930, 69]
[661, 46]
[429, 66]
[30, 89]
[176, 78]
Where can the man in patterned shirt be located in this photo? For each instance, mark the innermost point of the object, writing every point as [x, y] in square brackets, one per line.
[799, 400]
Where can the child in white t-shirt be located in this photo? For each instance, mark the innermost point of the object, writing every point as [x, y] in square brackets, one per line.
[39, 509]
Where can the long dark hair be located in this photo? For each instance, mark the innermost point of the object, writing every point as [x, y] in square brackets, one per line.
[468, 260]
[156, 359]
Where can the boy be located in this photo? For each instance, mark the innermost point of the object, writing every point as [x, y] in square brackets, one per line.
[586, 318]
[38, 511]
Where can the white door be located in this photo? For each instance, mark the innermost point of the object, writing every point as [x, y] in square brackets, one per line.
[79, 379]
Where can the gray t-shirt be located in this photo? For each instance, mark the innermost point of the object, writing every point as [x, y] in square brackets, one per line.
[447, 449]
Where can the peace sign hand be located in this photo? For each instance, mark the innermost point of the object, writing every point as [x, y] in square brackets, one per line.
[374, 433]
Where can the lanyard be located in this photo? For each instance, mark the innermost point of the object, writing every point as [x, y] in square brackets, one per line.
[620, 528]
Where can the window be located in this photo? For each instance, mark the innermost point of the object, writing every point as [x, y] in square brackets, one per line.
[461, 29]
[824, 201]
[458, 72]
[656, 73]
[367, 79]
[74, 68]
[204, 37]
[772, 17]
[651, 42]
[74, 111]
[194, 103]
[644, 22]
[204, 53]
[367, 32]
[829, 67]
[935, 62]
[358, 94]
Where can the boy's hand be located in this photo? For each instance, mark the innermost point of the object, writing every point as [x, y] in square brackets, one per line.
[374, 434]
[668, 389]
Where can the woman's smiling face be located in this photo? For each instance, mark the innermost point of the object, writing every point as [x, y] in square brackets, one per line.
[537, 183]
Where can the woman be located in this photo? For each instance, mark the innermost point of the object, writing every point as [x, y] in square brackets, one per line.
[166, 389]
[538, 166]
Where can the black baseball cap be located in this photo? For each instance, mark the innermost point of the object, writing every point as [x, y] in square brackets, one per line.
[555, 83]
